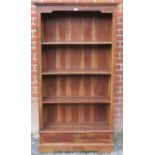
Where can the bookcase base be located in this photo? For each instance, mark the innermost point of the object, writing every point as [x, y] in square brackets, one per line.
[76, 147]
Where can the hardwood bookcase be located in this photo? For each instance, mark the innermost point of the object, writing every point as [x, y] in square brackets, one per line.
[76, 58]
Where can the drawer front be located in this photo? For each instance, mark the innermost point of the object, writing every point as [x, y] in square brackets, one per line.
[94, 137]
[56, 138]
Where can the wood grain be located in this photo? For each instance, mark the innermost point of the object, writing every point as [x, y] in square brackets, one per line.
[101, 147]
[76, 60]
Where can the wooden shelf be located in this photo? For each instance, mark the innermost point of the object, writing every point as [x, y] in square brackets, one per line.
[79, 43]
[77, 129]
[74, 100]
[76, 72]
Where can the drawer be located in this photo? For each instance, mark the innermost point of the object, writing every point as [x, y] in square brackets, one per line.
[94, 137]
[76, 137]
[57, 138]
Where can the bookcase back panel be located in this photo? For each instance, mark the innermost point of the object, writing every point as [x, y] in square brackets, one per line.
[76, 57]
[75, 114]
[76, 26]
[60, 86]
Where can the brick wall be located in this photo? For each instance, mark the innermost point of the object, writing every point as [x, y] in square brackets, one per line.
[118, 115]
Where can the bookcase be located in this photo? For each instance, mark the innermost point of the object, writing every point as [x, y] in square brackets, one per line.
[76, 72]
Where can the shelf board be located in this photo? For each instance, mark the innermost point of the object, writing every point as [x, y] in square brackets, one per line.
[74, 100]
[79, 43]
[76, 72]
[77, 129]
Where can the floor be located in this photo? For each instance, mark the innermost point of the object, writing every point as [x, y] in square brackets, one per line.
[34, 150]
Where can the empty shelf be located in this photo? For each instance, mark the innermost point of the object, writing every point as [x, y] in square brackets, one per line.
[73, 100]
[76, 72]
[79, 43]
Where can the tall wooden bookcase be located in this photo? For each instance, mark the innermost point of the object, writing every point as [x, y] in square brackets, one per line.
[76, 58]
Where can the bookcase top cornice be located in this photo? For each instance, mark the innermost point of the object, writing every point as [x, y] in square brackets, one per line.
[73, 4]
[47, 7]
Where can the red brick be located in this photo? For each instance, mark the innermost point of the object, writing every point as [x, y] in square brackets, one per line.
[34, 78]
[34, 26]
[119, 72]
[119, 26]
[33, 22]
[119, 37]
[34, 95]
[118, 83]
[117, 78]
[33, 7]
[119, 43]
[33, 34]
[34, 56]
[34, 39]
[34, 72]
[118, 94]
[119, 60]
[34, 90]
[120, 8]
[34, 50]
[119, 49]
[118, 1]
[116, 89]
[118, 116]
[33, 15]
[119, 55]
[118, 67]
[34, 84]
[34, 44]
[118, 106]
[119, 20]
[119, 13]
[119, 32]
[83, 1]
[34, 68]
[116, 100]
[34, 61]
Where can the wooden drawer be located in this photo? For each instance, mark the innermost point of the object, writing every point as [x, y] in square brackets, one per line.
[94, 137]
[76, 137]
[57, 138]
